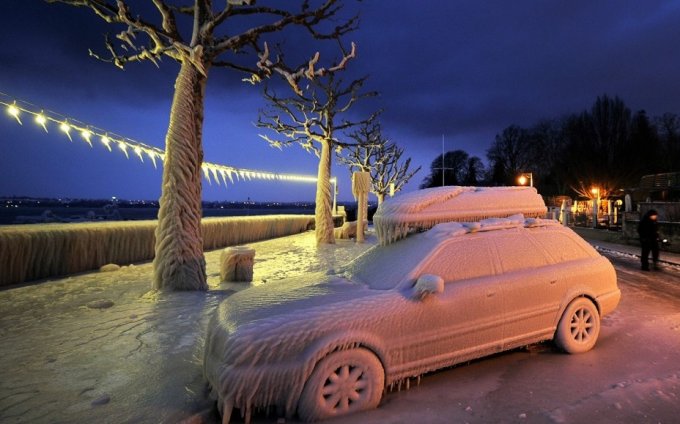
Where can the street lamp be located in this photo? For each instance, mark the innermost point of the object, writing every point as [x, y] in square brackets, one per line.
[526, 177]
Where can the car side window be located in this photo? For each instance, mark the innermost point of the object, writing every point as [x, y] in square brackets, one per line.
[461, 259]
[516, 251]
[560, 246]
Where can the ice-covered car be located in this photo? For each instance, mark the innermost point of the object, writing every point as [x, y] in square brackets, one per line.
[327, 345]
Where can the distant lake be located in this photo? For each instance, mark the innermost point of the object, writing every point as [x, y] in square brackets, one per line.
[9, 215]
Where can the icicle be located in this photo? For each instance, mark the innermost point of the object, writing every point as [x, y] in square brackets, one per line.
[123, 146]
[138, 152]
[213, 170]
[206, 173]
[227, 408]
[106, 142]
[87, 135]
[41, 120]
[152, 156]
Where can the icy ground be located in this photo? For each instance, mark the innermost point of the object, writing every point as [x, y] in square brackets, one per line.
[131, 357]
[100, 347]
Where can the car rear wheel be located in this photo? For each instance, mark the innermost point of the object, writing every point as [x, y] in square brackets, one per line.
[342, 383]
[579, 326]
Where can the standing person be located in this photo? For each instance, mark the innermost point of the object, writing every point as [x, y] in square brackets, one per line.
[648, 229]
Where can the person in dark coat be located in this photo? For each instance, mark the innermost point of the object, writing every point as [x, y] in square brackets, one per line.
[648, 229]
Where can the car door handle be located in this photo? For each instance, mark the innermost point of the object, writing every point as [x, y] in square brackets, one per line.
[490, 294]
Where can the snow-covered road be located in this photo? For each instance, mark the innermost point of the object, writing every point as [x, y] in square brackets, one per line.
[99, 347]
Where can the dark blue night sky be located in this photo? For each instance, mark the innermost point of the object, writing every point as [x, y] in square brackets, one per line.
[459, 68]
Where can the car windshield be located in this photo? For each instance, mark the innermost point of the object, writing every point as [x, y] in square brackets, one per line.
[384, 267]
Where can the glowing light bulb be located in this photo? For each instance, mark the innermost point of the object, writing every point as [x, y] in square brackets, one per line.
[138, 152]
[106, 142]
[14, 112]
[66, 129]
[122, 146]
[86, 134]
[152, 155]
[41, 120]
[218, 171]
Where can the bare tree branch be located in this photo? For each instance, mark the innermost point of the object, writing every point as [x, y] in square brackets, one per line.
[375, 154]
[312, 117]
[169, 22]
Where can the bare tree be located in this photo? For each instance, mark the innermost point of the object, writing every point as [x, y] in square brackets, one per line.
[474, 171]
[312, 118]
[668, 126]
[448, 169]
[200, 36]
[375, 154]
[510, 154]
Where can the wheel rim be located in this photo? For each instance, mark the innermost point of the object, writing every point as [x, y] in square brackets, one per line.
[344, 389]
[582, 325]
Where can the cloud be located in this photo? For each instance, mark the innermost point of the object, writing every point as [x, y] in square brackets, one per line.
[463, 69]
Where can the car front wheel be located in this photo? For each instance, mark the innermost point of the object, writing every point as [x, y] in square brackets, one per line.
[344, 382]
[579, 326]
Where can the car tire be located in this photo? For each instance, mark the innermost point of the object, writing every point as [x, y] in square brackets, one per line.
[342, 383]
[579, 326]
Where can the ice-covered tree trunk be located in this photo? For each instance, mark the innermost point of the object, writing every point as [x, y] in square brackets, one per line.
[361, 216]
[381, 198]
[323, 214]
[361, 186]
[179, 263]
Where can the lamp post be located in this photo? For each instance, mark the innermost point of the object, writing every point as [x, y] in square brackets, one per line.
[526, 177]
[596, 204]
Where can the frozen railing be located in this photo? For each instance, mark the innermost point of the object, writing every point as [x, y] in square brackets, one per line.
[29, 252]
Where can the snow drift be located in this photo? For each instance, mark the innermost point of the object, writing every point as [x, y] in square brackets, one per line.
[421, 210]
[29, 252]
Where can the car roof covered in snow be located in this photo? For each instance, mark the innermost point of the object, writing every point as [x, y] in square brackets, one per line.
[382, 266]
[421, 210]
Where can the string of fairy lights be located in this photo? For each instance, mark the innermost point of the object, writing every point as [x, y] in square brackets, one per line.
[23, 111]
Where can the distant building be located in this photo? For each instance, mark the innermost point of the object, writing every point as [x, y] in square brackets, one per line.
[658, 188]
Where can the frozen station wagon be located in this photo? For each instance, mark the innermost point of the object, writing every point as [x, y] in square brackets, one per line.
[330, 344]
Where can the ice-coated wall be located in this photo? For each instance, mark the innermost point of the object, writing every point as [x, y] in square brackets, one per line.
[29, 252]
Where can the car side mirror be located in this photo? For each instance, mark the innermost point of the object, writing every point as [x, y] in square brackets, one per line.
[428, 284]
